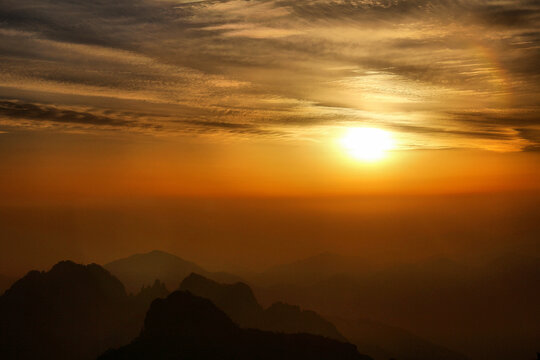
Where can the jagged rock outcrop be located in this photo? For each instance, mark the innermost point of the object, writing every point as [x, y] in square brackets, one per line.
[141, 270]
[70, 312]
[238, 301]
[185, 326]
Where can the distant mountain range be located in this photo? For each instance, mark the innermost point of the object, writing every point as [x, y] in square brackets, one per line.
[185, 326]
[311, 270]
[78, 311]
[384, 342]
[141, 270]
[484, 311]
[378, 340]
[239, 303]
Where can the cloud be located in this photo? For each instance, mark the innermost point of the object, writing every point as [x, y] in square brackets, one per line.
[533, 138]
[235, 128]
[37, 112]
[437, 69]
[85, 118]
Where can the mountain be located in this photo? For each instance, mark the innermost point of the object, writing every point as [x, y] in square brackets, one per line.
[5, 283]
[239, 303]
[149, 293]
[343, 279]
[141, 270]
[311, 270]
[185, 326]
[236, 300]
[483, 311]
[70, 312]
[384, 342]
[510, 267]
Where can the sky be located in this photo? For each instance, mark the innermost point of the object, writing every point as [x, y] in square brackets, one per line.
[103, 102]
[439, 74]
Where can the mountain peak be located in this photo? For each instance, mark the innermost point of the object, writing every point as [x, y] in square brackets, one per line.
[67, 278]
[187, 326]
[152, 256]
[310, 270]
[159, 252]
[143, 269]
[72, 311]
[237, 299]
[200, 280]
[182, 313]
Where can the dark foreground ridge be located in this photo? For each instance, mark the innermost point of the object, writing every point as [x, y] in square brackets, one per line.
[185, 326]
[72, 311]
[239, 303]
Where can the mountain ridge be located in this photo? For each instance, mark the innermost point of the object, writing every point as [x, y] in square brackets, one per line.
[142, 269]
[238, 301]
[185, 326]
[70, 311]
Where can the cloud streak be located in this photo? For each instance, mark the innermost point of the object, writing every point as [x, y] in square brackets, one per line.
[452, 73]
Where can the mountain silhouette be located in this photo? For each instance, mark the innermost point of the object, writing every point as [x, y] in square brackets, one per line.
[149, 293]
[239, 303]
[70, 312]
[377, 340]
[311, 270]
[236, 300]
[141, 270]
[384, 342]
[5, 283]
[185, 326]
[486, 310]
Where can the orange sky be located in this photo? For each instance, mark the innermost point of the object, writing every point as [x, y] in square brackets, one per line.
[103, 103]
[49, 167]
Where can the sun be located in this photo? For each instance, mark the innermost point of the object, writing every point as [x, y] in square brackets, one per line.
[367, 144]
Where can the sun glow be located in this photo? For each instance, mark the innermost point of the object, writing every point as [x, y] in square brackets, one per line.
[367, 144]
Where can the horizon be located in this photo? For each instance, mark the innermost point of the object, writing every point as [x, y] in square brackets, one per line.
[356, 226]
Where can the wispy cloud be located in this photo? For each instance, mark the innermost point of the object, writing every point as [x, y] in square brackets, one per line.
[452, 73]
[17, 110]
